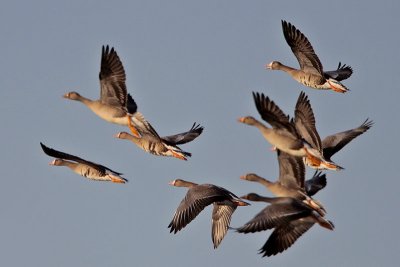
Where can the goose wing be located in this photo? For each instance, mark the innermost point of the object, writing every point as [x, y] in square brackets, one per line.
[284, 236]
[333, 143]
[302, 49]
[112, 79]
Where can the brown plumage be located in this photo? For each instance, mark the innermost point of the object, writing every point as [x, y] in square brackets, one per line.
[115, 105]
[151, 142]
[200, 196]
[290, 217]
[305, 125]
[83, 167]
[335, 142]
[311, 73]
[291, 180]
[284, 134]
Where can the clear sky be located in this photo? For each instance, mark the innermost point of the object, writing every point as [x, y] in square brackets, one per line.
[189, 61]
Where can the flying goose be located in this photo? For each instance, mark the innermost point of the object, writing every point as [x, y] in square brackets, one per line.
[311, 73]
[291, 181]
[304, 121]
[88, 169]
[115, 104]
[151, 142]
[290, 217]
[305, 125]
[197, 198]
[283, 135]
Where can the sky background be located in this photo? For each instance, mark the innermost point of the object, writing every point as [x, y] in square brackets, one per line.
[190, 61]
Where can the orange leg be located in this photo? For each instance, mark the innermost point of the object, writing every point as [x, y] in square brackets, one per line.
[132, 128]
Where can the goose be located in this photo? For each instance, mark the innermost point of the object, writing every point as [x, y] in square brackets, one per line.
[290, 217]
[197, 198]
[283, 135]
[311, 186]
[291, 181]
[115, 104]
[305, 125]
[311, 72]
[304, 122]
[88, 169]
[151, 142]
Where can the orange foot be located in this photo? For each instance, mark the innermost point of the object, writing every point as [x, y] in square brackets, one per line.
[331, 166]
[337, 89]
[132, 128]
[178, 155]
[117, 180]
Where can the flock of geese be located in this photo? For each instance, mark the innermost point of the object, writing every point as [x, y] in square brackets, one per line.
[296, 141]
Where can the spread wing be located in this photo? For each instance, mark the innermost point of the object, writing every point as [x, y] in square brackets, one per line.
[272, 216]
[271, 113]
[302, 49]
[304, 122]
[291, 170]
[221, 218]
[112, 79]
[196, 199]
[143, 126]
[284, 236]
[333, 143]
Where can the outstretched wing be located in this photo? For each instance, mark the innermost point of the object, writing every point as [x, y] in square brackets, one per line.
[304, 122]
[221, 218]
[291, 170]
[302, 49]
[143, 126]
[273, 216]
[112, 79]
[284, 236]
[333, 143]
[271, 113]
[196, 199]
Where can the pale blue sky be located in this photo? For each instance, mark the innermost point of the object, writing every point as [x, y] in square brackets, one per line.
[189, 61]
